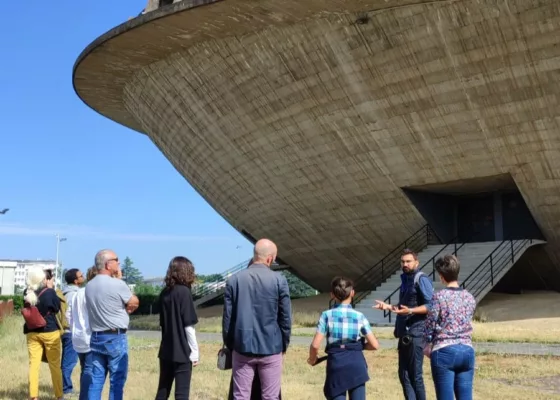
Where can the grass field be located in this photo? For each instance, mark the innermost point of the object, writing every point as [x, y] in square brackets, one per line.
[497, 377]
[507, 318]
[543, 330]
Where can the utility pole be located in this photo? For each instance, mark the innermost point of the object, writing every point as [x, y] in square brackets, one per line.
[58, 272]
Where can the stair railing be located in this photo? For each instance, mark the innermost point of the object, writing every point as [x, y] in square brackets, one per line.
[451, 245]
[387, 266]
[490, 268]
[203, 289]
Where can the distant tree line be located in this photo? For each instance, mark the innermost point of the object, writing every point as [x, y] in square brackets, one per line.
[133, 276]
[298, 288]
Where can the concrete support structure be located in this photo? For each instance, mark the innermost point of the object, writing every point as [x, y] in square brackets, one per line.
[302, 120]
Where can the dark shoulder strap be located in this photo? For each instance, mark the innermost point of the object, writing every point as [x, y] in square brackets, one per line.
[42, 291]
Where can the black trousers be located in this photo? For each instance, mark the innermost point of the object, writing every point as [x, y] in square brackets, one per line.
[181, 373]
[411, 359]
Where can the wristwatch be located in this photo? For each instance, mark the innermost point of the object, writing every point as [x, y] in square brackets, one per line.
[409, 311]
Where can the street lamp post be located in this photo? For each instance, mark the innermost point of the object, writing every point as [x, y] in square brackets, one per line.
[58, 240]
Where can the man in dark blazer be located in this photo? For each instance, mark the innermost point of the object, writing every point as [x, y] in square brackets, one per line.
[256, 324]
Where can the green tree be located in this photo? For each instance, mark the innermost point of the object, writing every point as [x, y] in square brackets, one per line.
[130, 274]
[209, 278]
[147, 289]
[298, 288]
[18, 290]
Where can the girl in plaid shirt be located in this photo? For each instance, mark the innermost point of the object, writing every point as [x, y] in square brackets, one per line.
[348, 333]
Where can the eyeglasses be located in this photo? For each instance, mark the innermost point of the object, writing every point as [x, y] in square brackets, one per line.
[116, 259]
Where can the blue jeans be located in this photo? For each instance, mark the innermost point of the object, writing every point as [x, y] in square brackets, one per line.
[86, 365]
[453, 372]
[69, 361]
[358, 393]
[411, 361]
[109, 354]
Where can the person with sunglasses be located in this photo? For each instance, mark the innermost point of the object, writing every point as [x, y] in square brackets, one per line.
[109, 303]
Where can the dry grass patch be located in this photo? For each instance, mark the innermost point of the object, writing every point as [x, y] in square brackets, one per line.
[545, 330]
[532, 331]
[214, 324]
[497, 377]
[306, 312]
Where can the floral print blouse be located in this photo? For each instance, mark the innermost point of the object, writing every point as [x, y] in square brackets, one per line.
[450, 319]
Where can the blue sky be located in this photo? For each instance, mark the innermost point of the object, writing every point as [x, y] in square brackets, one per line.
[64, 168]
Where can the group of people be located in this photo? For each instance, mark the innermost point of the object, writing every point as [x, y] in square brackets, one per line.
[90, 324]
[435, 325]
[256, 328]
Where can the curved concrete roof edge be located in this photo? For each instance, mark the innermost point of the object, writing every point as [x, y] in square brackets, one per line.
[339, 6]
[123, 28]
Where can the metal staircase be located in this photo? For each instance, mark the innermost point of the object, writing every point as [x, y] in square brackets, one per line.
[483, 264]
[207, 291]
[384, 268]
[204, 292]
[494, 267]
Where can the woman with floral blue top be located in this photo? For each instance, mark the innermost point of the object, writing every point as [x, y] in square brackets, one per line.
[348, 333]
[448, 335]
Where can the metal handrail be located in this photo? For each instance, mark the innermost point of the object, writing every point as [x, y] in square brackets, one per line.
[432, 274]
[497, 260]
[379, 268]
[199, 291]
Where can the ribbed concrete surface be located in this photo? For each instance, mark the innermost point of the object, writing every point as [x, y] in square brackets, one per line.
[299, 124]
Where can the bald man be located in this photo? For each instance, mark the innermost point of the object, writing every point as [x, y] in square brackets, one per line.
[257, 324]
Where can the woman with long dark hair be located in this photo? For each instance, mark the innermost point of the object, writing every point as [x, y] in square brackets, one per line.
[178, 351]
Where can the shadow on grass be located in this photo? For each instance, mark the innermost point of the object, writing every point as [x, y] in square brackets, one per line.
[22, 392]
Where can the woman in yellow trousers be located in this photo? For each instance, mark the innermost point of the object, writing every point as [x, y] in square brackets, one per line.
[39, 293]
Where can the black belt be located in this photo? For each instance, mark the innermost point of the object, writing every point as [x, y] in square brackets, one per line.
[112, 331]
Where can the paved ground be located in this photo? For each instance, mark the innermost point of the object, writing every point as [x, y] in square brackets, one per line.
[481, 347]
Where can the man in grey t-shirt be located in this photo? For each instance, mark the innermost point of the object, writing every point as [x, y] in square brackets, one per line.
[109, 301]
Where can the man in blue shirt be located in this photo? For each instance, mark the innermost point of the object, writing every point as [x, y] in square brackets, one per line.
[415, 300]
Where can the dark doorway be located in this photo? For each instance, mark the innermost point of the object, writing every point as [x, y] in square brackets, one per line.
[518, 221]
[475, 218]
[475, 210]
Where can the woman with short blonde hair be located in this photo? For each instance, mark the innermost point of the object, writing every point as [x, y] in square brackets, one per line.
[39, 294]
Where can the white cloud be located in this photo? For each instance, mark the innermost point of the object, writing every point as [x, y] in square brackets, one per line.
[92, 232]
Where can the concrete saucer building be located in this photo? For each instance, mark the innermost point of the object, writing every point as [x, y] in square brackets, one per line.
[341, 129]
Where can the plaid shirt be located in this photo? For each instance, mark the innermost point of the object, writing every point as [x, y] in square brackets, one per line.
[343, 324]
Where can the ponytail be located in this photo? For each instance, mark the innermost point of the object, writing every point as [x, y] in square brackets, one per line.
[35, 280]
[30, 297]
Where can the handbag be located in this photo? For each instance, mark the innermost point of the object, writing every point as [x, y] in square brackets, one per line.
[224, 359]
[32, 316]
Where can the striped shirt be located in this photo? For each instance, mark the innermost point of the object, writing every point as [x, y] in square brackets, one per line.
[343, 324]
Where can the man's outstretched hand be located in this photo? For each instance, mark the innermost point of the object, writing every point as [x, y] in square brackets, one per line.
[381, 305]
